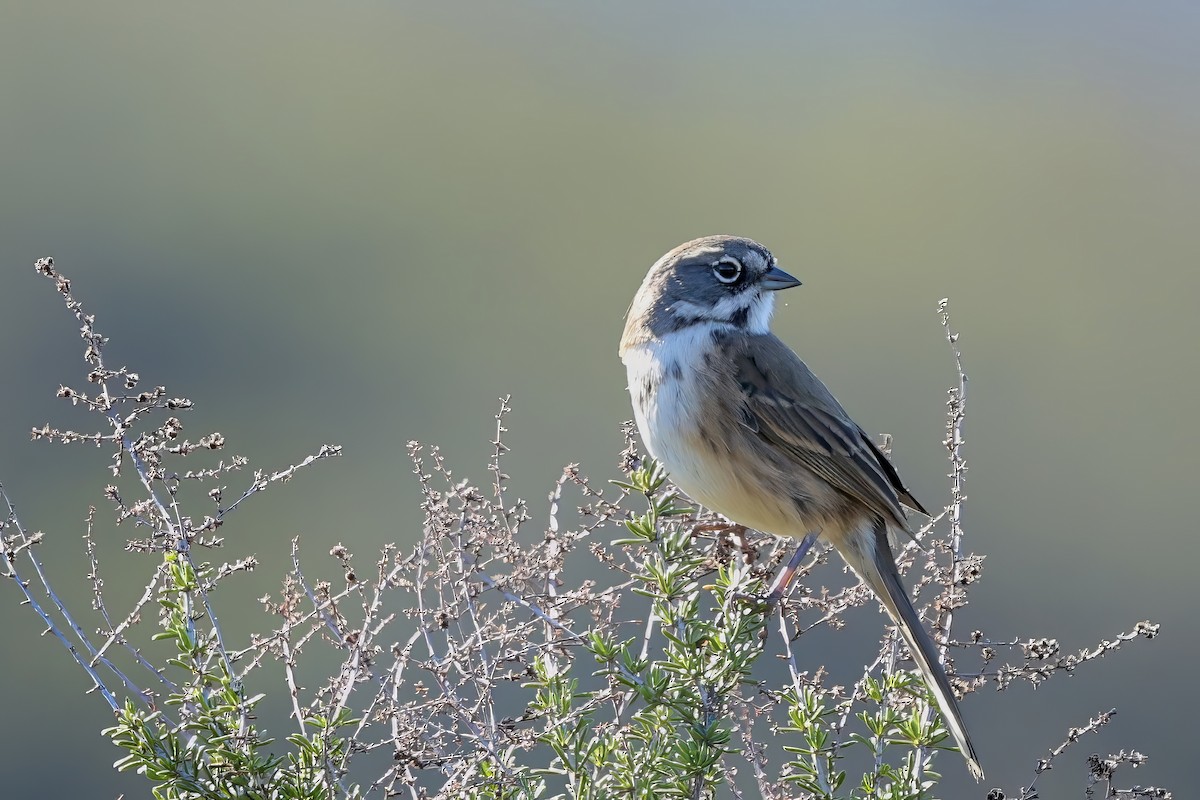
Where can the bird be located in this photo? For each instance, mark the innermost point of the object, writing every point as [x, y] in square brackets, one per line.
[743, 426]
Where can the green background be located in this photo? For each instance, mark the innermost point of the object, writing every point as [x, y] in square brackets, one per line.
[362, 223]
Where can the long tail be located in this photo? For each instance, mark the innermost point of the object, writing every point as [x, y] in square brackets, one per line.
[871, 557]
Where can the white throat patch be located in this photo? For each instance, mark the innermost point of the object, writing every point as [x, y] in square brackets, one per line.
[758, 308]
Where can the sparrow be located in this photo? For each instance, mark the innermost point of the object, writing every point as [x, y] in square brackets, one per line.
[745, 428]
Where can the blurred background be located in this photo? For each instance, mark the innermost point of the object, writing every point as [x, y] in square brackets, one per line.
[362, 223]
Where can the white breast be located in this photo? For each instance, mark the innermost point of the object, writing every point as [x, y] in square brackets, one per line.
[672, 393]
[665, 386]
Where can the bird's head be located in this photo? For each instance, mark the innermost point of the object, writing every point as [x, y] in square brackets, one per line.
[716, 280]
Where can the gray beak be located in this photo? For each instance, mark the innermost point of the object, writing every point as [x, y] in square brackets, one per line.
[777, 279]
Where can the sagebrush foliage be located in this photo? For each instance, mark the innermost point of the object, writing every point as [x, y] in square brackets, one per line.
[619, 649]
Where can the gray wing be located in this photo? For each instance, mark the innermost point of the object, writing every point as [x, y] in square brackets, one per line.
[788, 406]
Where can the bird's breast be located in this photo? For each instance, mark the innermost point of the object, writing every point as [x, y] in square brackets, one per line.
[684, 405]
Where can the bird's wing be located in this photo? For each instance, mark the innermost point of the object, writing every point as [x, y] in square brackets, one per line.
[893, 477]
[785, 404]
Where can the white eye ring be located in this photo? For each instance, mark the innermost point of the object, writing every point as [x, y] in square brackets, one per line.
[727, 270]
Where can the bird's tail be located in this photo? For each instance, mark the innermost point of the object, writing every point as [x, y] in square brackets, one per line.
[871, 557]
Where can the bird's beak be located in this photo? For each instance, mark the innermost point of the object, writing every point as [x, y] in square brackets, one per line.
[777, 279]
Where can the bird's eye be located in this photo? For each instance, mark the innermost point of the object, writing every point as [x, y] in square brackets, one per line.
[727, 270]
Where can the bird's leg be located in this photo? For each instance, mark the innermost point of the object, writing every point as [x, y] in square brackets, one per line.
[784, 579]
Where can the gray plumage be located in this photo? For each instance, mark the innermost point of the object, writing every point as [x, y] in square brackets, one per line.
[744, 427]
